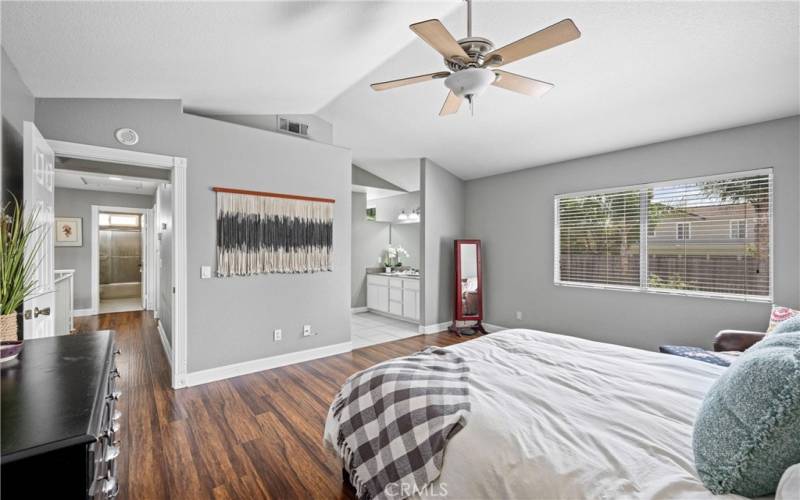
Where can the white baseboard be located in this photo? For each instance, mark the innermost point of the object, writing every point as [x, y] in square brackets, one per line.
[165, 343]
[83, 312]
[431, 329]
[493, 328]
[257, 365]
[356, 310]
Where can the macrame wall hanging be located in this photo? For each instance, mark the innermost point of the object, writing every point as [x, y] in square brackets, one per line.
[272, 233]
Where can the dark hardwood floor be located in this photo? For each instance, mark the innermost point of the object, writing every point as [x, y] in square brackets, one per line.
[250, 437]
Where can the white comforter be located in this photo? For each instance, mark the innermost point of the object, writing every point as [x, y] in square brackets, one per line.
[558, 417]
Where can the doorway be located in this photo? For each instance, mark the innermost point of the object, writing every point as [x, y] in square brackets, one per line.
[122, 267]
[171, 303]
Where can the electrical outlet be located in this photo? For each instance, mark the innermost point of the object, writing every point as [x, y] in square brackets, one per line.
[277, 335]
[306, 330]
[205, 272]
[519, 315]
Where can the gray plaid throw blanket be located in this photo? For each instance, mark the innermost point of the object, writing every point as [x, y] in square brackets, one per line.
[392, 421]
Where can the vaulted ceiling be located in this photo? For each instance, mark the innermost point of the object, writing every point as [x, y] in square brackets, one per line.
[642, 72]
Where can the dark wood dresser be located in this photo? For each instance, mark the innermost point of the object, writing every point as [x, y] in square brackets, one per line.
[59, 418]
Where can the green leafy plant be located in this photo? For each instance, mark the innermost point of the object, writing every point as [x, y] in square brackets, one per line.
[17, 267]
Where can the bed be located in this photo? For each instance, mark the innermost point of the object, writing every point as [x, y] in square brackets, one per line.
[555, 416]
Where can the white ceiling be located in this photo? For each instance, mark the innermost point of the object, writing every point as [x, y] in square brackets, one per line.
[219, 57]
[97, 182]
[642, 72]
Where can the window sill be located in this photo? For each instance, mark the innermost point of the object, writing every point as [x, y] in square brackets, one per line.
[680, 293]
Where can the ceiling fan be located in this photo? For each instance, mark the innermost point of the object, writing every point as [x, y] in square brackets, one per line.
[472, 61]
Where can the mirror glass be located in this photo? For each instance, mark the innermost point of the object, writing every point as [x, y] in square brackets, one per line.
[469, 279]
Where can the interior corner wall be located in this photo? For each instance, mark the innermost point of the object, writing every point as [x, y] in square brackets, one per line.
[443, 210]
[369, 239]
[230, 320]
[78, 203]
[514, 220]
[164, 241]
[18, 105]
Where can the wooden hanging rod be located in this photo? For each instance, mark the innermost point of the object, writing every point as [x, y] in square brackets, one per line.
[272, 195]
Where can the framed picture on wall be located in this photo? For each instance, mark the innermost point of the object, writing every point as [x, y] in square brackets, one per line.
[68, 232]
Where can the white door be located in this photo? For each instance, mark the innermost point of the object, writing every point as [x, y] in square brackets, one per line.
[38, 181]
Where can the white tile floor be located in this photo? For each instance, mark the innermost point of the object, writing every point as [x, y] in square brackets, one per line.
[120, 305]
[370, 329]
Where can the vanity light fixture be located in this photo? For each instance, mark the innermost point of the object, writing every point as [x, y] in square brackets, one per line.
[402, 216]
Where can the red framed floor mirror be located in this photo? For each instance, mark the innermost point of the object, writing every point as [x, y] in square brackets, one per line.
[468, 288]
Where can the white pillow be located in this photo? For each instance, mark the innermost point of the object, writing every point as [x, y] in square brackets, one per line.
[789, 487]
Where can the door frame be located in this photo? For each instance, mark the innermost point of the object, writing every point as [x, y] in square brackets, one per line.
[177, 354]
[146, 264]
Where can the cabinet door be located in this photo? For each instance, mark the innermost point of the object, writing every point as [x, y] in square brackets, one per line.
[372, 296]
[383, 299]
[411, 304]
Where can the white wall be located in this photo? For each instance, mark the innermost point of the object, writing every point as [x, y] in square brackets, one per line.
[78, 203]
[231, 319]
[513, 216]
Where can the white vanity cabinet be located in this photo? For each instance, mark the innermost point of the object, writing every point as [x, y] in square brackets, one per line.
[394, 296]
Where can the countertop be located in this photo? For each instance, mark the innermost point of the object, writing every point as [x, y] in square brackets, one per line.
[394, 275]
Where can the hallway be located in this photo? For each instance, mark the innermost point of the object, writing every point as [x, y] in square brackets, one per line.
[250, 437]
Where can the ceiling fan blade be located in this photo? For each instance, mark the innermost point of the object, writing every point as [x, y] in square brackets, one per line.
[451, 104]
[521, 84]
[552, 36]
[436, 35]
[410, 80]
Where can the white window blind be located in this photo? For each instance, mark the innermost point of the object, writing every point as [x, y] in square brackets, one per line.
[709, 236]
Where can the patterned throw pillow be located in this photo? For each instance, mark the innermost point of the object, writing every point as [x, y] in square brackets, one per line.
[745, 434]
[779, 314]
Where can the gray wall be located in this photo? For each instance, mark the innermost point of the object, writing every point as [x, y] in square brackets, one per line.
[318, 129]
[17, 106]
[163, 220]
[443, 207]
[369, 238]
[513, 216]
[231, 319]
[78, 203]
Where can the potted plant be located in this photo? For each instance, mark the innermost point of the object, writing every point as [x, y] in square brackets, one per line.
[17, 267]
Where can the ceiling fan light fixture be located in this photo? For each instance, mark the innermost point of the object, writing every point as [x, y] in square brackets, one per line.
[470, 81]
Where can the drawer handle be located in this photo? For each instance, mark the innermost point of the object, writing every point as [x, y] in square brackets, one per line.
[115, 395]
[111, 453]
[116, 416]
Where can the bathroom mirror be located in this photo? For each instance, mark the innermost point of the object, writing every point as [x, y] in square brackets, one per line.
[468, 293]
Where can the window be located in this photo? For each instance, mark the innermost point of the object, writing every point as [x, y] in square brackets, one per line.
[119, 220]
[738, 230]
[371, 213]
[670, 237]
[683, 230]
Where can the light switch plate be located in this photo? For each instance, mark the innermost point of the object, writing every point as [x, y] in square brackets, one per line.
[205, 272]
[306, 330]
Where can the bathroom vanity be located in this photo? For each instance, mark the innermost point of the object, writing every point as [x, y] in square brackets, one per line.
[393, 295]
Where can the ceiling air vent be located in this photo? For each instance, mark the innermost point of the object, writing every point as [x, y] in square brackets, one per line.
[292, 127]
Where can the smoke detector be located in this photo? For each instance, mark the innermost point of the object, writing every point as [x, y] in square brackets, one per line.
[126, 136]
